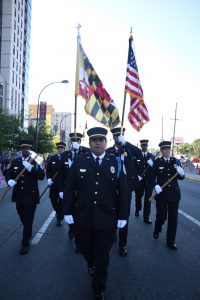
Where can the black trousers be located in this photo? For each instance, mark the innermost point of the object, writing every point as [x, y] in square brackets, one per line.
[57, 204]
[26, 213]
[167, 210]
[146, 191]
[95, 246]
[123, 232]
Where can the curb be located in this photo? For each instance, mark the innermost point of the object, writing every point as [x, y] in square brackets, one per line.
[193, 177]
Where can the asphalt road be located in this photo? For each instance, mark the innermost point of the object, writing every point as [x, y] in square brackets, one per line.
[53, 271]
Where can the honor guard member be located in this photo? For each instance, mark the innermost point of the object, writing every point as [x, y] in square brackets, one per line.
[167, 200]
[95, 201]
[25, 190]
[143, 164]
[67, 159]
[53, 171]
[126, 152]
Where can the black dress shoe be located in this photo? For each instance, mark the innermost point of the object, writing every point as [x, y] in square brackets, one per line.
[137, 213]
[172, 246]
[122, 251]
[70, 235]
[24, 250]
[147, 221]
[99, 296]
[59, 224]
[155, 235]
[91, 271]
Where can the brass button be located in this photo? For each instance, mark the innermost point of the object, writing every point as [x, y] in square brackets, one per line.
[95, 192]
[168, 174]
[97, 173]
[22, 181]
[169, 185]
[22, 187]
[95, 202]
[96, 183]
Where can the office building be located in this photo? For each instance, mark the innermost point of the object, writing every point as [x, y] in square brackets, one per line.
[15, 27]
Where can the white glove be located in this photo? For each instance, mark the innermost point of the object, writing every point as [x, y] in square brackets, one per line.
[150, 162]
[69, 219]
[61, 195]
[158, 189]
[50, 182]
[140, 178]
[180, 171]
[121, 140]
[69, 162]
[11, 182]
[121, 223]
[27, 165]
[75, 145]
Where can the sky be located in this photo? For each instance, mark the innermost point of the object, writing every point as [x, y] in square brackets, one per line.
[167, 47]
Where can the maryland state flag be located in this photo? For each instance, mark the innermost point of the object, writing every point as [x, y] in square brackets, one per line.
[88, 85]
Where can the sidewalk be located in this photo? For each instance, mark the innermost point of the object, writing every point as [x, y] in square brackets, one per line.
[2, 181]
[192, 174]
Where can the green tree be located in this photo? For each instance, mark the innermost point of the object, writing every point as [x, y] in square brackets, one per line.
[10, 132]
[45, 138]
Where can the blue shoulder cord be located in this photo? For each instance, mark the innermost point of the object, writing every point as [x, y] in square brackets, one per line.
[118, 159]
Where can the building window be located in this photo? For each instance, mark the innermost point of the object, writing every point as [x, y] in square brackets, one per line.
[12, 93]
[13, 77]
[1, 96]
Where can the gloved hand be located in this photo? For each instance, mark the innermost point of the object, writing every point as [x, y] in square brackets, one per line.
[69, 219]
[121, 223]
[150, 162]
[61, 195]
[75, 145]
[180, 171]
[121, 140]
[11, 182]
[140, 178]
[158, 189]
[27, 165]
[69, 162]
[50, 182]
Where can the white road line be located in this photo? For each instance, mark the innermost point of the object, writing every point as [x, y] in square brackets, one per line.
[195, 221]
[42, 230]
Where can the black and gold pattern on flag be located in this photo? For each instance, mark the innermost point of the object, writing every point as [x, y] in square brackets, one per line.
[99, 104]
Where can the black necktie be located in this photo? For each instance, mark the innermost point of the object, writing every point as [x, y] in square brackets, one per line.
[97, 161]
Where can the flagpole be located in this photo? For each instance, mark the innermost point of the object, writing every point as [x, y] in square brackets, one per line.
[124, 104]
[76, 79]
[123, 112]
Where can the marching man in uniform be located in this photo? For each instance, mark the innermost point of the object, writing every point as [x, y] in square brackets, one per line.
[53, 177]
[67, 159]
[143, 163]
[95, 201]
[167, 199]
[127, 153]
[25, 190]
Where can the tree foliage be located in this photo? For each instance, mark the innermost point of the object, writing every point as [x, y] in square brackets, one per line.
[190, 150]
[45, 138]
[11, 134]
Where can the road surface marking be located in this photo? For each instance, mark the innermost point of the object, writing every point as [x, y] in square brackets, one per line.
[42, 230]
[195, 221]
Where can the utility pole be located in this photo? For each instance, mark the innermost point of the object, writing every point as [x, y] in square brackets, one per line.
[175, 119]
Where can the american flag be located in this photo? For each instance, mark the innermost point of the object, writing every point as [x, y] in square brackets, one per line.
[138, 114]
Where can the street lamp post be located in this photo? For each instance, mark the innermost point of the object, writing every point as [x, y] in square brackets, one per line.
[69, 114]
[38, 104]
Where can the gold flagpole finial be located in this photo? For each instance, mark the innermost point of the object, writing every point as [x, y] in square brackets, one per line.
[78, 28]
